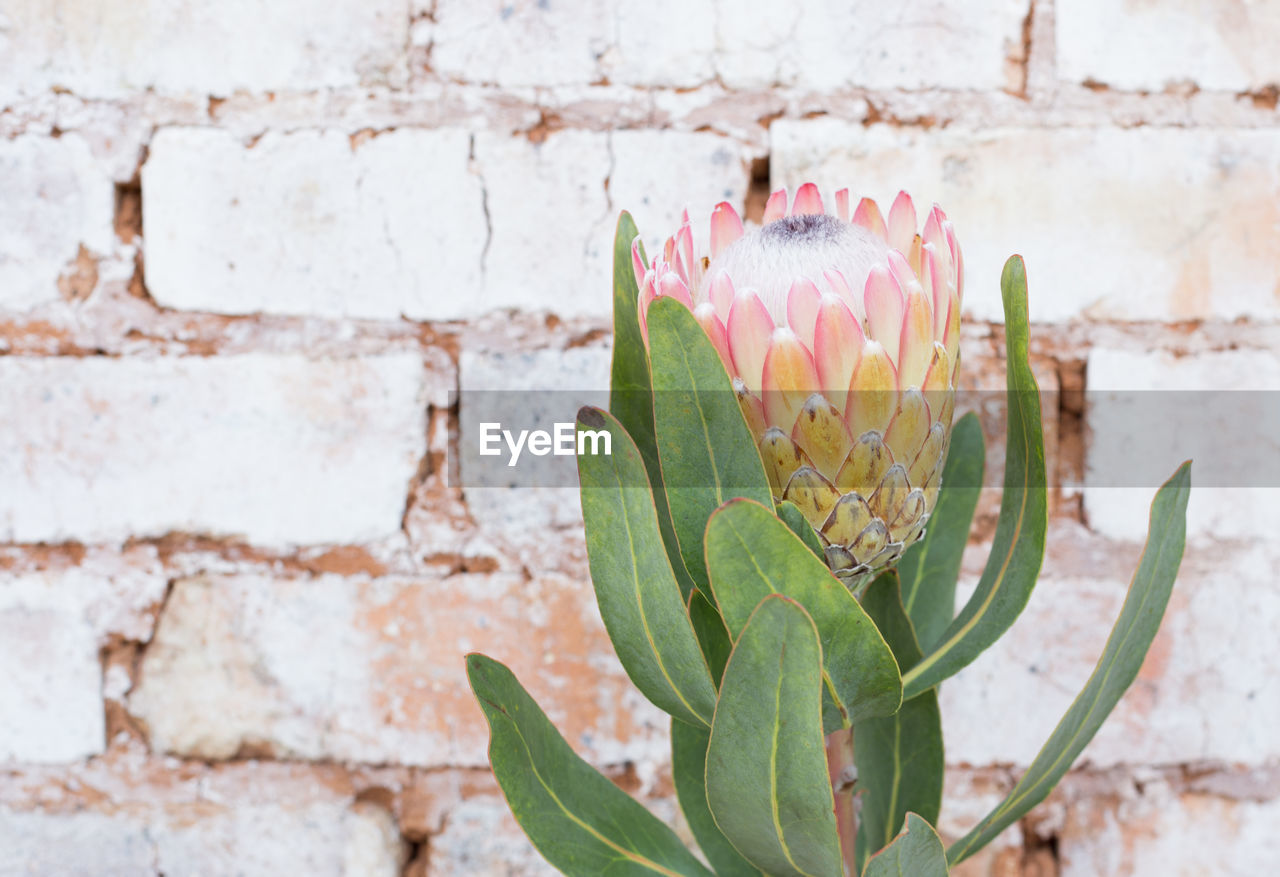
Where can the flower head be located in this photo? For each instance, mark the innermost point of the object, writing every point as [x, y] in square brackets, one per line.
[840, 333]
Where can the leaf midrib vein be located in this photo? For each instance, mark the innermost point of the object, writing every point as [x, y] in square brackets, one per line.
[827, 681]
[918, 670]
[628, 854]
[1013, 801]
[644, 619]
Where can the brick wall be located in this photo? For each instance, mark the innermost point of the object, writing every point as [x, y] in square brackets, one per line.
[248, 249]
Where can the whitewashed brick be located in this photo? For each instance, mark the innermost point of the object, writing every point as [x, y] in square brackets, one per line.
[657, 174]
[52, 625]
[308, 223]
[1138, 224]
[1151, 45]
[826, 44]
[817, 44]
[519, 42]
[78, 844]
[272, 448]
[553, 214]
[481, 837]
[1153, 831]
[530, 390]
[372, 671]
[551, 246]
[57, 198]
[663, 43]
[967, 797]
[51, 702]
[1205, 691]
[1195, 410]
[112, 48]
[204, 837]
[407, 225]
[529, 43]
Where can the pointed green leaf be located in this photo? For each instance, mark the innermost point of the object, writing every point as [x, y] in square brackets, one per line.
[917, 852]
[789, 513]
[767, 782]
[1018, 547]
[708, 454]
[1117, 668]
[688, 769]
[899, 757]
[632, 394]
[751, 554]
[631, 390]
[580, 821]
[635, 586]
[712, 635]
[929, 568]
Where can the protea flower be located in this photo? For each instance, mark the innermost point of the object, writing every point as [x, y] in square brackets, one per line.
[840, 333]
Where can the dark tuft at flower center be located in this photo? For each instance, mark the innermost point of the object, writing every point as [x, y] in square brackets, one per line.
[812, 228]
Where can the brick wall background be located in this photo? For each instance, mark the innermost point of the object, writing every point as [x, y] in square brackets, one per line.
[247, 250]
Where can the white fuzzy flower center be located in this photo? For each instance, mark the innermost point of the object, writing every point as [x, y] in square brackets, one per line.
[771, 258]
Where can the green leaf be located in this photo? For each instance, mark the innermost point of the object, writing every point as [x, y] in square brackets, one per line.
[688, 768]
[708, 454]
[752, 554]
[917, 852]
[929, 568]
[1117, 668]
[1018, 547]
[635, 586]
[631, 400]
[767, 782]
[631, 393]
[581, 822]
[789, 513]
[899, 757]
[712, 635]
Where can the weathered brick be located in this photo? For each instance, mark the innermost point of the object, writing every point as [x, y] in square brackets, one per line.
[824, 45]
[322, 837]
[1137, 224]
[372, 671]
[968, 796]
[308, 223]
[51, 703]
[1204, 691]
[1151, 45]
[530, 390]
[52, 626]
[812, 44]
[1148, 411]
[1153, 829]
[481, 837]
[57, 199]
[407, 224]
[549, 213]
[113, 48]
[582, 180]
[519, 43]
[657, 174]
[272, 448]
[664, 43]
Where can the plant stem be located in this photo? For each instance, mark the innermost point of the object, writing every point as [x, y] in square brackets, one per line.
[839, 763]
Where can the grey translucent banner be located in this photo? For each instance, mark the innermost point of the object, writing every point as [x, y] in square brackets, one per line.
[1130, 438]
